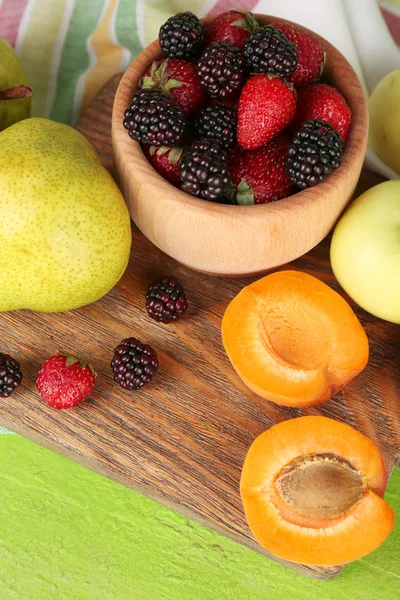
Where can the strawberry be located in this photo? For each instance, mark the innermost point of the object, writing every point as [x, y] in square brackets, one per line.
[64, 381]
[267, 104]
[311, 57]
[178, 79]
[259, 175]
[233, 26]
[324, 102]
[165, 161]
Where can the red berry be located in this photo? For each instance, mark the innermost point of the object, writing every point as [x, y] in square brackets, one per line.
[322, 102]
[178, 79]
[311, 57]
[267, 105]
[64, 381]
[166, 161]
[233, 26]
[259, 175]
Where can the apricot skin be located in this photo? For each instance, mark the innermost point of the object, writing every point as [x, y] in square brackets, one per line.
[293, 340]
[282, 528]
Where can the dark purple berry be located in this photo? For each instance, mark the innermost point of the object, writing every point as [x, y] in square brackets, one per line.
[221, 69]
[10, 375]
[316, 150]
[152, 119]
[267, 50]
[204, 171]
[166, 300]
[133, 364]
[182, 36]
[217, 123]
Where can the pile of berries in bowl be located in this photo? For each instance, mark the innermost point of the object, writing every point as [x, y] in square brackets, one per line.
[236, 110]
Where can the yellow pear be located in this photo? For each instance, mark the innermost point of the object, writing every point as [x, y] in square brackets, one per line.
[15, 102]
[65, 231]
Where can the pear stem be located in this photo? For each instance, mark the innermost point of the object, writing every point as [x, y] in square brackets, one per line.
[21, 91]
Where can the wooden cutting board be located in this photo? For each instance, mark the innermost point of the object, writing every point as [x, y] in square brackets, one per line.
[182, 440]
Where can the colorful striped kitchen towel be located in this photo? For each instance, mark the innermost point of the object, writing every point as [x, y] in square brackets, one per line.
[70, 48]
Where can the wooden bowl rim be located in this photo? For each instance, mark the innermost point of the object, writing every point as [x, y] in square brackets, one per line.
[133, 151]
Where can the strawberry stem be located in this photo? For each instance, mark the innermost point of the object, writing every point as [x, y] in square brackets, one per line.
[21, 91]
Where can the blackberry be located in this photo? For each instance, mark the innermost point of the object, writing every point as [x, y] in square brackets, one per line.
[217, 123]
[133, 364]
[204, 171]
[166, 300]
[221, 69]
[152, 119]
[182, 36]
[10, 375]
[267, 50]
[316, 149]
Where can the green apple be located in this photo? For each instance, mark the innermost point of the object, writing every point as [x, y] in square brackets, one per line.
[384, 119]
[365, 251]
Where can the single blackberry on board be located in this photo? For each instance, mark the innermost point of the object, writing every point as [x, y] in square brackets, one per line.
[10, 375]
[182, 36]
[217, 123]
[134, 364]
[166, 300]
[316, 150]
[221, 69]
[204, 171]
[267, 50]
[152, 119]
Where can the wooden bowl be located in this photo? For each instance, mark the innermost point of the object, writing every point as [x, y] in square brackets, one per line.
[237, 240]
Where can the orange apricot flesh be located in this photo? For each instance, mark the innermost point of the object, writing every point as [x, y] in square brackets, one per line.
[293, 340]
[312, 490]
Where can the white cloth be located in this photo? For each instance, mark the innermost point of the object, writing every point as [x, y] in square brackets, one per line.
[357, 29]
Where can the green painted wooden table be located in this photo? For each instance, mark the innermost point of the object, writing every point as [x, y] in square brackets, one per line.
[68, 533]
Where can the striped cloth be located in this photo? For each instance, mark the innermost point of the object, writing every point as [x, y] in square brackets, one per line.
[70, 48]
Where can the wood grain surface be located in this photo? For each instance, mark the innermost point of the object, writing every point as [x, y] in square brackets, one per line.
[237, 240]
[182, 440]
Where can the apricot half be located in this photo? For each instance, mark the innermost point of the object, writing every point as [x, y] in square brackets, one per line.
[312, 490]
[293, 340]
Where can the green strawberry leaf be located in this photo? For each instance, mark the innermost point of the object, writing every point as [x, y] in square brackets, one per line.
[162, 69]
[251, 23]
[161, 150]
[154, 67]
[173, 83]
[244, 193]
[147, 82]
[175, 155]
[71, 360]
[242, 23]
[152, 150]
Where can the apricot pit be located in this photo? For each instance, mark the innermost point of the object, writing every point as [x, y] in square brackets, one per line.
[312, 490]
[293, 340]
